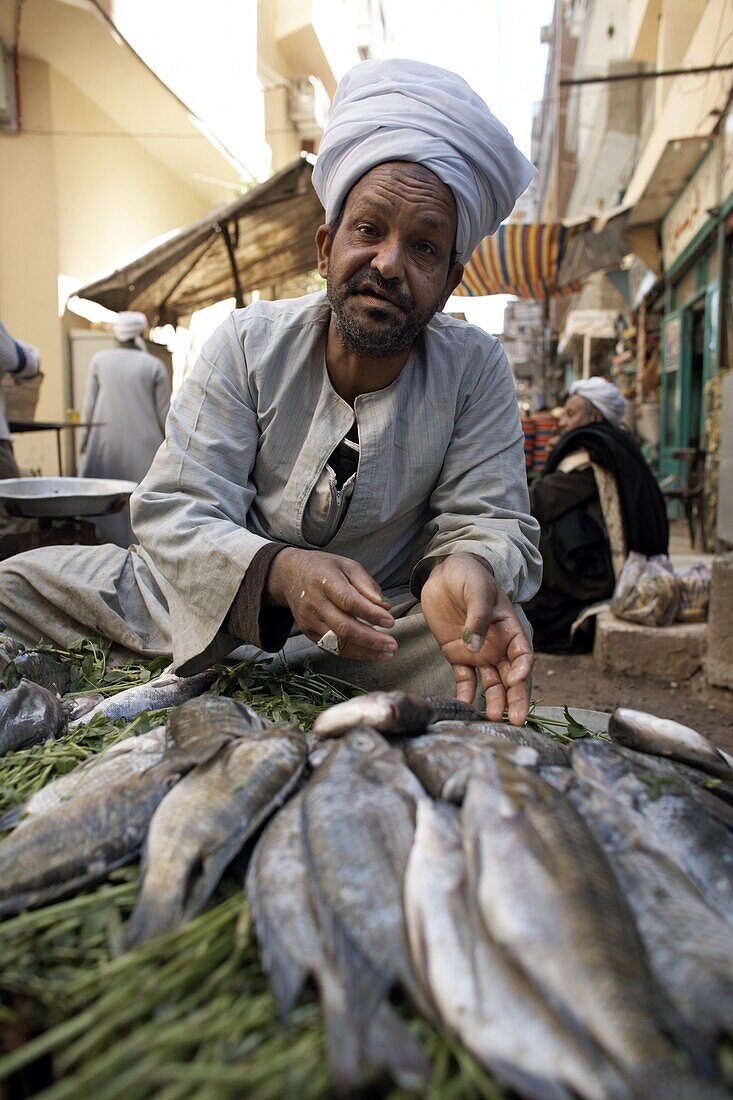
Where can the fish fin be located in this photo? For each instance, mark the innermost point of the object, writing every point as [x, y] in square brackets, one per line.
[391, 1045]
[701, 1047]
[527, 1084]
[12, 817]
[670, 1083]
[154, 915]
[35, 899]
[454, 788]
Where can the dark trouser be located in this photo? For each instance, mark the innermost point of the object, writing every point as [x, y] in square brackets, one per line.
[8, 465]
[9, 468]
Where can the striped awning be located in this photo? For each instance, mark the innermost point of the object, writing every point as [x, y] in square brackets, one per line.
[520, 259]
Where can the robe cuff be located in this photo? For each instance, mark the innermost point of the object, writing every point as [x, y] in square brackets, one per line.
[250, 618]
[424, 568]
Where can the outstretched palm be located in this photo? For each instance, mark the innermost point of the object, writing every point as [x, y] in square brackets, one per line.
[479, 633]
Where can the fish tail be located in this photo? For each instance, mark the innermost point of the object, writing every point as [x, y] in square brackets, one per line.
[11, 817]
[155, 913]
[391, 1045]
[344, 1045]
[286, 977]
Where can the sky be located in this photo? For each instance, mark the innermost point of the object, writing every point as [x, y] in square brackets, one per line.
[495, 46]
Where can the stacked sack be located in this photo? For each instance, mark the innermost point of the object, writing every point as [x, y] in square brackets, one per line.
[649, 592]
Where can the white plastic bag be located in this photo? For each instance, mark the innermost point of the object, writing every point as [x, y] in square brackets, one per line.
[647, 591]
[694, 589]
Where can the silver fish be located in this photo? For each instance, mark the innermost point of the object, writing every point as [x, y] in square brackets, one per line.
[547, 895]
[116, 764]
[679, 825]
[44, 669]
[688, 945]
[473, 983]
[358, 824]
[711, 792]
[389, 712]
[291, 949]
[201, 727]
[549, 750]
[9, 650]
[167, 690]
[663, 737]
[29, 714]
[443, 762]
[447, 709]
[75, 706]
[205, 820]
[55, 854]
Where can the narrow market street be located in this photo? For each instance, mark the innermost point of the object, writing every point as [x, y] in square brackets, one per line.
[576, 680]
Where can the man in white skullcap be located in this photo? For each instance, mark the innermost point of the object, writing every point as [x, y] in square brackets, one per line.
[342, 477]
[596, 500]
[127, 398]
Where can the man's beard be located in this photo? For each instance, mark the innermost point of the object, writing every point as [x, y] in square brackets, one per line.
[384, 338]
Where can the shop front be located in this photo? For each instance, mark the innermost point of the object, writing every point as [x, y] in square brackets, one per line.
[690, 346]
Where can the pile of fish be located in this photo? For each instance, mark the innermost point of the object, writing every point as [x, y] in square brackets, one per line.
[565, 912]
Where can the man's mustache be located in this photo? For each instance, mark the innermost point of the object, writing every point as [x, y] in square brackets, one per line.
[359, 283]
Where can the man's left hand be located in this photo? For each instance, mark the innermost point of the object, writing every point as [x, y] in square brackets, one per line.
[479, 632]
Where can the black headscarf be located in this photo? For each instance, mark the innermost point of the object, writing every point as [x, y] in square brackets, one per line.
[642, 504]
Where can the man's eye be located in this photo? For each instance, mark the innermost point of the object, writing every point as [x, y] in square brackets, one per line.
[426, 248]
[366, 230]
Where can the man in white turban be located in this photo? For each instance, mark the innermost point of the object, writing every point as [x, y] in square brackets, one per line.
[343, 476]
[605, 400]
[596, 500]
[127, 397]
[129, 326]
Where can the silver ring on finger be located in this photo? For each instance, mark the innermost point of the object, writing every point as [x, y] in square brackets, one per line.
[329, 643]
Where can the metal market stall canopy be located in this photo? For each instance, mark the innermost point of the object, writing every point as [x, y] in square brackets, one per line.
[258, 240]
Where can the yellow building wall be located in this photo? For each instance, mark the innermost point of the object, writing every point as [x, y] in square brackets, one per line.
[685, 108]
[112, 197]
[71, 204]
[29, 253]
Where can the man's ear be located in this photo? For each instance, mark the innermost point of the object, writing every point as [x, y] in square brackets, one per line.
[454, 277]
[324, 240]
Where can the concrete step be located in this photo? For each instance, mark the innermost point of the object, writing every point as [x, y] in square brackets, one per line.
[719, 663]
[668, 652]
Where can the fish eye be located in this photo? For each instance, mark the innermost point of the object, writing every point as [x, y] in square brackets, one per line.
[363, 741]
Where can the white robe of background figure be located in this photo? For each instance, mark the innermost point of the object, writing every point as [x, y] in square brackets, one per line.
[128, 395]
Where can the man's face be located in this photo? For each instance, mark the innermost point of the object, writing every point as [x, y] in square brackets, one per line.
[577, 413]
[388, 264]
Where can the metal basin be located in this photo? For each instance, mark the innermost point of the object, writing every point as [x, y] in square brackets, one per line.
[594, 720]
[59, 497]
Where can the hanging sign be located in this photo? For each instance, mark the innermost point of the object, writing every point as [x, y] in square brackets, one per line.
[690, 212]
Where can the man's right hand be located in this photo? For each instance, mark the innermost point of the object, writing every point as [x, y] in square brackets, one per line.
[327, 592]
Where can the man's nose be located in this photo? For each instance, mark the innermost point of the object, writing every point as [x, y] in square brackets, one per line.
[389, 259]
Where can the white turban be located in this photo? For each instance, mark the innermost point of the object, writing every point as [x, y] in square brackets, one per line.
[406, 110]
[129, 326]
[603, 396]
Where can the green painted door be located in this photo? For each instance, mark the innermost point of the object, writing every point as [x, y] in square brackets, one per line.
[676, 332]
